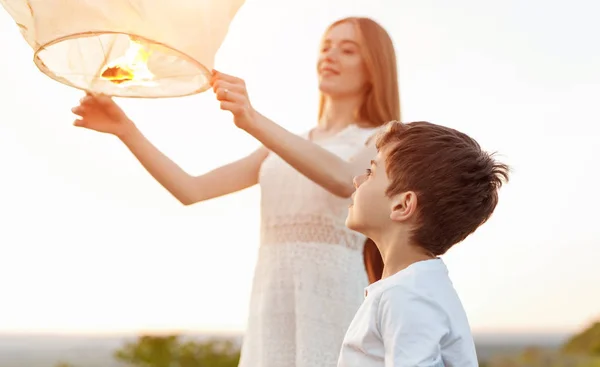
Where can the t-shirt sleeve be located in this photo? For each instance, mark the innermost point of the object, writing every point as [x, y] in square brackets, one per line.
[412, 328]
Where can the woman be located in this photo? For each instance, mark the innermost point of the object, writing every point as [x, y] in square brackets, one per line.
[310, 275]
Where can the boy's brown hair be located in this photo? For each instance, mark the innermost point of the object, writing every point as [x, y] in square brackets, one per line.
[456, 182]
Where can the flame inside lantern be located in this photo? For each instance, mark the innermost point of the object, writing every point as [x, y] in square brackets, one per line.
[131, 67]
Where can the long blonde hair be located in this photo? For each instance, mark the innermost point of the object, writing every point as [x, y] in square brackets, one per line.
[381, 103]
[382, 99]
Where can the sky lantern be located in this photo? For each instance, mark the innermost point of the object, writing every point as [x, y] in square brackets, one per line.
[126, 48]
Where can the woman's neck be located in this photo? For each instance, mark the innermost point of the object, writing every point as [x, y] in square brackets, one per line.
[339, 113]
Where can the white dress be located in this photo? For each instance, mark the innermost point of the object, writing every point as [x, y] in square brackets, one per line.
[310, 276]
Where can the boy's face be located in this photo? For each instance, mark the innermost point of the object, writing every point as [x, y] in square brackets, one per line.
[371, 207]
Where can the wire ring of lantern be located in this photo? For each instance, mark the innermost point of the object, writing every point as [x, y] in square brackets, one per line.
[202, 70]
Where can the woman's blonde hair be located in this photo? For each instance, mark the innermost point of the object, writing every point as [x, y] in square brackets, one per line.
[382, 99]
[381, 103]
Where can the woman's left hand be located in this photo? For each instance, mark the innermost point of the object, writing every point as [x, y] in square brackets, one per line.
[232, 94]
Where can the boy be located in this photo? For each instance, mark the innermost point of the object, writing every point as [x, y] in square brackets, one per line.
[428, 188]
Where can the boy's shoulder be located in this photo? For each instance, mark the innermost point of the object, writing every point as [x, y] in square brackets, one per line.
[420, 279]
[405, 304]
[413, 293]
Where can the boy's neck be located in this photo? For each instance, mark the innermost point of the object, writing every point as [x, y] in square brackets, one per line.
[399, 254]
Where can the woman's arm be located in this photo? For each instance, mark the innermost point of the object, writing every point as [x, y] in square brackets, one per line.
[189, 189]
[318, 164]
[321, 166]
[101, 113]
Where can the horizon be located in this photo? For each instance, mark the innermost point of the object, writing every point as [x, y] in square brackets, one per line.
[94, 334]
[505, 338]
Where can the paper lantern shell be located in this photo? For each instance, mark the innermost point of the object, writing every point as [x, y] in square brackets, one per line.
[126, 48]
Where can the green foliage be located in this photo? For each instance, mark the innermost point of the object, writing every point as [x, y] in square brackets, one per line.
[587, 342]
[582, 350]
[213, 353]
[150, 351]
[171, 351]
[546, 359]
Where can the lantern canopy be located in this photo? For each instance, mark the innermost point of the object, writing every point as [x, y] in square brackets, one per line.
[126, 48]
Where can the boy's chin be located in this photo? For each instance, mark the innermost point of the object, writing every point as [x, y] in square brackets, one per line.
[354, 224]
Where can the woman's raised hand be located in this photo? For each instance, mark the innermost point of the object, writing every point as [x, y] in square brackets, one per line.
[232, 94]
[101, 113]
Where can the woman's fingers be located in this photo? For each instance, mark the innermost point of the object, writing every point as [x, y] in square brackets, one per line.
[79, 123]
[103, 100]
[221, 84]
[231, 101]
[78, 110]
[233, 107]
[217, 75]
[89, 101]
[231, 92]
[224, 94]
[96, 99]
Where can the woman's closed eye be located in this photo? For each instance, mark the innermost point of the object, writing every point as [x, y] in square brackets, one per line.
[348, 51]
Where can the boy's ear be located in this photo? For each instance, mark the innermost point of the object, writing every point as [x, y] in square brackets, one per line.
[404, 206]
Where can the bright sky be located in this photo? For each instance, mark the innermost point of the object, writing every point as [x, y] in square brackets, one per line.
[89, 242]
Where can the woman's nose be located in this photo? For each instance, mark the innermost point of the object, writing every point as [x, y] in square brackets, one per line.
[331, 54]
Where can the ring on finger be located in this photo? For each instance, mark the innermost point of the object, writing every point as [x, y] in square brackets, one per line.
[225, 92]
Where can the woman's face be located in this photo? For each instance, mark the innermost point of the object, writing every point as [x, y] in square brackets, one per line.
[341, 67]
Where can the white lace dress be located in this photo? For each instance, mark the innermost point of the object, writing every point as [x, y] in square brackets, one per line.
[310, 275]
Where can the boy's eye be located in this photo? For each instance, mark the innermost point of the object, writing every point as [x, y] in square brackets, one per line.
[369, 172]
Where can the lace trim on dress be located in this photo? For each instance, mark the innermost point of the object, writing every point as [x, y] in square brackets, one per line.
[309, 228]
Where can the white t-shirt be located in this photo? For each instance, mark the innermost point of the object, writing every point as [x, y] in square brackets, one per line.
[413, 318]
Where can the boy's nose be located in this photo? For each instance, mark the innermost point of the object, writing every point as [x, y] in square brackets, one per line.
[357, 181]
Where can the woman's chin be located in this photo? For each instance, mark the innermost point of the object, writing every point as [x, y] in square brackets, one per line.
[328, 87]
[334, 90]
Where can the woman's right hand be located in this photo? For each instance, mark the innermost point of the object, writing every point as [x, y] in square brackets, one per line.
[101, 113]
